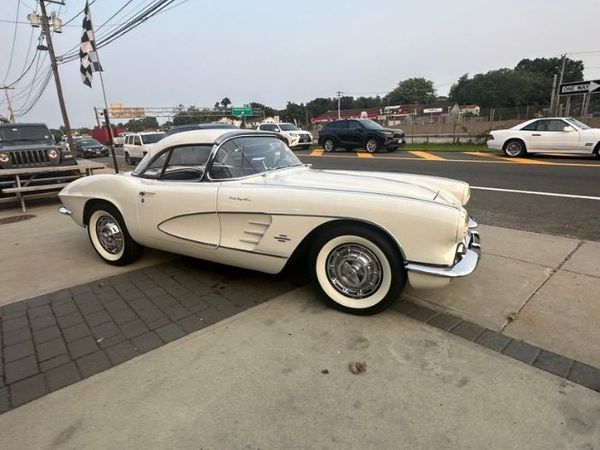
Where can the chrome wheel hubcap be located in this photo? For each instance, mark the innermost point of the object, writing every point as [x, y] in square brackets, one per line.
[328, 146]
[109, 234]
[371, 146]
[513, 149]
[354, 270]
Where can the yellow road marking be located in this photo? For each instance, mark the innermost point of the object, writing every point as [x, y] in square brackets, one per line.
[515, 160]
[316, 152]
[425, 155]
[364, 155]
[482, 154]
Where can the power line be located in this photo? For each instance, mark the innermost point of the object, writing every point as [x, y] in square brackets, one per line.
[13, 45]
[150, 11]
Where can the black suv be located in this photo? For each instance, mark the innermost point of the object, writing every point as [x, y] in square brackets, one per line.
[359, 133]
[31, 145]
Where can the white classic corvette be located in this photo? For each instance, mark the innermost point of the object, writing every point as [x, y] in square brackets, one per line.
[547, 135]
[243, 198]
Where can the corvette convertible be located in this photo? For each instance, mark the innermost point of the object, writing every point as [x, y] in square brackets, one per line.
[243, 198]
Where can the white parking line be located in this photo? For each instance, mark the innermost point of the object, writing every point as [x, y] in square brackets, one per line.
[547, 194]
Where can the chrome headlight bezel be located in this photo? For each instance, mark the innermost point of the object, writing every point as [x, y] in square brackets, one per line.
[4, 158]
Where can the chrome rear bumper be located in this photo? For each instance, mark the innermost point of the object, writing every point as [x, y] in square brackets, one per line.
[467, 258]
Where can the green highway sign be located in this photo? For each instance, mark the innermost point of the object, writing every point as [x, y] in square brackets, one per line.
[241, 111]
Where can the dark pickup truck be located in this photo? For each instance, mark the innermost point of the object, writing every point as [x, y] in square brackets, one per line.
[25, 145]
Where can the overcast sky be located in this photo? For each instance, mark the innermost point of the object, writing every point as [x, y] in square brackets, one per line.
[275, 51]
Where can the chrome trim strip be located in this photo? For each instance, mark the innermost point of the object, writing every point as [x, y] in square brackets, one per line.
[472, 223]
[64, 211]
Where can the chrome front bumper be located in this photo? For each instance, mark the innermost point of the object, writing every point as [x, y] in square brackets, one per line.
[467, 258]
[64, 211]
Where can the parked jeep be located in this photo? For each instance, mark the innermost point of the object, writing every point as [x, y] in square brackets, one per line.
[25, 145]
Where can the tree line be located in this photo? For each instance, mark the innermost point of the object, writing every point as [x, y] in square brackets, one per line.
[529, 83]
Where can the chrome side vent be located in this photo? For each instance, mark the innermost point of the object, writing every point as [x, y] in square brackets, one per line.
[253, 233]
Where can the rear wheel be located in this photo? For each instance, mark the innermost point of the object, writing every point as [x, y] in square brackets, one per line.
[597, 150]
[329, 145]
[109, 236]
[371, 145]
[305, 147]
[514, 148]
[128, 159]
[357, 270]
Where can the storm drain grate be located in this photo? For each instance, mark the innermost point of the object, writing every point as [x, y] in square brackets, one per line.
[13, 219]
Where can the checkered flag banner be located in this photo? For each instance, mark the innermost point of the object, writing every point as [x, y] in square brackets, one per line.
[87, 51]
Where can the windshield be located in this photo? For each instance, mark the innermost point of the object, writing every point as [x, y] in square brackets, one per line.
[152, 138]
[287, 127]
[370, 124]
[579, 124]
[88, 142]
[245, 156]
[24, 133]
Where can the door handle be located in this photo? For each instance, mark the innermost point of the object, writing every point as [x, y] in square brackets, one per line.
[144, 193]
[536, 134]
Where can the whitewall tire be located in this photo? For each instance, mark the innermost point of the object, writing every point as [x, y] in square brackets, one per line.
[109, 236]
[357, 269]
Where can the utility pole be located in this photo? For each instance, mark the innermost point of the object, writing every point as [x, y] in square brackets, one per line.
[61, 100]
[553, 95]
[562, 74]
[11, 113]
[339, 96]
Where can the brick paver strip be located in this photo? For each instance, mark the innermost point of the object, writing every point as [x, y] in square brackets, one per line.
[54, 340]
[522, 351]
[562, 366]
[493, 340]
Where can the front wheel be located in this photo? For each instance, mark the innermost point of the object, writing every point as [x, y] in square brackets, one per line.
[514, 148]
[305, 147]
[357, 270]
[371, 145]
[597, 151]
[109, 236]
[329, 145]
[128, 159]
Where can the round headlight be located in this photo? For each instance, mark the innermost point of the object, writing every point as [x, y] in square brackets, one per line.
[52, 154]
[4, 158]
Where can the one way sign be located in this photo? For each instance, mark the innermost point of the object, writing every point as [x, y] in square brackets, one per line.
[579, 87]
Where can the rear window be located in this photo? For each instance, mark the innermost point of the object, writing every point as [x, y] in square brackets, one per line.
[152, 138]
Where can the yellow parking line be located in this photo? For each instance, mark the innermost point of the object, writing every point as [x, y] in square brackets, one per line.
[364, 155]
[482, 154]
[515, 160]
[425, 155]
[316, 153]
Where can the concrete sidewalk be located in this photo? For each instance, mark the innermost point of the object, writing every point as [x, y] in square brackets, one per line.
[50, 252]
[539, 288]
[277, 376]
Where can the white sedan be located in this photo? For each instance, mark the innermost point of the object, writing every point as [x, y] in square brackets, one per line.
[547, 135]
[243, 198]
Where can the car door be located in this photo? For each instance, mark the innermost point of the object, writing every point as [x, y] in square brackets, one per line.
[552, 135]
[342, 131]
[176, 208]
[355, 133]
